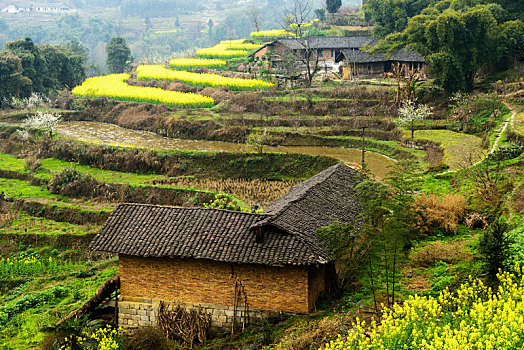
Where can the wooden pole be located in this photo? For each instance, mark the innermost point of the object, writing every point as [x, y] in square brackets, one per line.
[363, 144]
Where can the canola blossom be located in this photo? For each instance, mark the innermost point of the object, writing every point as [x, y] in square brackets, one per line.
[171, 31]
[471, 318]
[106, 338]
[303, 25]
[113, 86]
[199, 79]
[33, 265]
[228, 49]
[275, 33]
[189, 63]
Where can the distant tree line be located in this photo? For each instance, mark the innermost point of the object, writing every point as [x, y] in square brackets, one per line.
[26, 68]
[157, 8]
[456, 37]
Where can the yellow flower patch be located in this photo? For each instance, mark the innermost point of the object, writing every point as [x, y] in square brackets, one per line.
[473, 317]
[114, 86]
[228, 49]
[275, 33]
[199, 79]
[189, 63]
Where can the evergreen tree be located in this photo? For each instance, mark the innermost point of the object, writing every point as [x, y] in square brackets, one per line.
[333, 5]
[494, 245]
[148, 24]
[118, 55]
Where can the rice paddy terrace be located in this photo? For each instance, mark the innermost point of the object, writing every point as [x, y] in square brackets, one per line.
[179, 135]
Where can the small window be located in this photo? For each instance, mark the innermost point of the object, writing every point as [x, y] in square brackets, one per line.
[369, 67]
[337, 52]
[320, 53]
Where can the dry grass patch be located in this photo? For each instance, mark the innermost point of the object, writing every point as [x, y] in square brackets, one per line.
[448, 252]
[311, 336]
[440, 212]
[259, 191]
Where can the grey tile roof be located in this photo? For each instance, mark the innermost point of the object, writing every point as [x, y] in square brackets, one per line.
[289, 226]
[328, 42]
[406, 56]
[357, 56]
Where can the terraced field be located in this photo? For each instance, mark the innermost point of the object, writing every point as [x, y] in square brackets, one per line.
[460, 150]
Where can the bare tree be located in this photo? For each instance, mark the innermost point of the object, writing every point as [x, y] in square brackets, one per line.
[255, 16]
[294, 18]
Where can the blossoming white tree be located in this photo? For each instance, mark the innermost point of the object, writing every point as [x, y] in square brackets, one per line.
[44, 122]
[411, 112]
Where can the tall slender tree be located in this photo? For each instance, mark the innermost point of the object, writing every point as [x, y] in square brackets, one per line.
[118, 55]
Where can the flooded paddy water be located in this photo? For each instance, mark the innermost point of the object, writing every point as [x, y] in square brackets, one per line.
[110, 134]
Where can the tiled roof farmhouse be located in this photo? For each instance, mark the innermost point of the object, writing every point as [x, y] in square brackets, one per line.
[195, 256]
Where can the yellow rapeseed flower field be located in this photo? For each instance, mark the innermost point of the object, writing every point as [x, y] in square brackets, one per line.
[189, 63]
[275, 33]
[199, 79]
[473, 317]
[228, 49]
[114, 86]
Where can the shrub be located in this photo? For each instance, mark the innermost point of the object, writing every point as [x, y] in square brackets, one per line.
[36, 299]
[218, 94]
[448, 252]
[516, 251]
[475, 221]
[442, 213]
[148, 338]
[32, 163]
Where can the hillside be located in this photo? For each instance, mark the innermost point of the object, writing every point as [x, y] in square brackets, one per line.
[238, 139]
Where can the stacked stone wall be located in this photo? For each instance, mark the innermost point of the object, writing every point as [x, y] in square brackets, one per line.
[140, 312]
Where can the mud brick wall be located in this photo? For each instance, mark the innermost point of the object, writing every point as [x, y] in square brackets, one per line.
[198, 281]
[316, 284]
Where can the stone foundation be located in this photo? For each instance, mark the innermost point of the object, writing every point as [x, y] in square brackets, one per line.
[139, 312]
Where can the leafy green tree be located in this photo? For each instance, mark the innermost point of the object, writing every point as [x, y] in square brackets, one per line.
[33, 65]
[12, 80]
[387, 218]
[457, 43]
[333, 5]
[118, 55]
[390, 16]
[44, 68]
[64, 68]
[320, 14]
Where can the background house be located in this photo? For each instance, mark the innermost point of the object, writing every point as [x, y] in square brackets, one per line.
[341, 54]
[236, 266]
[36, 7]
[357, 63]
[327, 48]
[17, 7]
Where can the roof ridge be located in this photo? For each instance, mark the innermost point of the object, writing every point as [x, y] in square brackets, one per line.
[288, 204]
[191, 208]
[334, 167]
